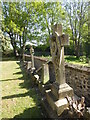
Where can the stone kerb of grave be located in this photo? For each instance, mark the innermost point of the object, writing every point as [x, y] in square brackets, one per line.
[59, 89]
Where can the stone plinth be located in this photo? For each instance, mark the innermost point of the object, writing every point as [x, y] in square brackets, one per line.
[57, 105]
[61, 105]
[56, 97]
[61, 91]
[59, 112]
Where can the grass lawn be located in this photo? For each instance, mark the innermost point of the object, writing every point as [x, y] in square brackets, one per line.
[19, 98]
[72, 59]
[81, 61]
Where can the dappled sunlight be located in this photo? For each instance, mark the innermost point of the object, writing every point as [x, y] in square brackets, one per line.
[27, 113]
[8, 80]
[29, 93]
[18, 97]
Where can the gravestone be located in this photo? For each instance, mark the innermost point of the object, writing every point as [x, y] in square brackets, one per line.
[45, 73]
[59, 89]
[43, 82]
[32, 59]
[24, 61]
[51, 72]
[28, 65]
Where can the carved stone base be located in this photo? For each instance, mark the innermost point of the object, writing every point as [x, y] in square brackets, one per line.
[61, 91]
[66, 114]
[57, 105]
[56, 97]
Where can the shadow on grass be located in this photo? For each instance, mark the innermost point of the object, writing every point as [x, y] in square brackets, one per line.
[9, 59]
[17, 73]
[30, 113]
[34, 112]
[29, 93]
[18, 68]
[9, 79]
[27, 79]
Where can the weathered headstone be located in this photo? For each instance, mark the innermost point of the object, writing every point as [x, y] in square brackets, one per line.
[24, 61]
[44, 83]
[32, 58]
[51, 72]
[45, 74]
[28, 65]
[60, 89]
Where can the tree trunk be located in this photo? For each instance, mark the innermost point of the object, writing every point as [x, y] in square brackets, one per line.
[77, 49]
[13, 43]
[23, 47]
[23, 50]
[20, 40]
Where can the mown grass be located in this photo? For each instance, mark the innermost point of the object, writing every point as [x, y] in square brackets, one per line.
[19, 98]
[73, 59]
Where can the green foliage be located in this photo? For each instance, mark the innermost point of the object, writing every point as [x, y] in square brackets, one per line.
[41, 50]
[4, 42]
[82, 59]
[33, 21]
[77, 21]
[73, 59]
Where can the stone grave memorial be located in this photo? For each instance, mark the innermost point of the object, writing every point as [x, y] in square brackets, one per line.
[56, 97]
[45, 73]
[43, 81]
[24, 62]
[29, 65]
[32, 59]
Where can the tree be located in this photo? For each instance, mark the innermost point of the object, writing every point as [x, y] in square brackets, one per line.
[5, 42]
[15, 22]
[9, 25]
[87, 43]
[45, 15]
[77, 17]
[33, 21]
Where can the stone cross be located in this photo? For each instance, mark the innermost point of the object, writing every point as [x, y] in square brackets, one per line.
[56, 97]
[32, 58]
[57, 43]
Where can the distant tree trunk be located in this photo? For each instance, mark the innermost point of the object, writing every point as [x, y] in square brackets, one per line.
[76, 41]
[20, 40]
[88, 37]
[77, 48]
[23, 50]
[13, 43]
[24, 41]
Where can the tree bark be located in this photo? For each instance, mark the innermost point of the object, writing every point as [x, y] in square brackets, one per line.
[13, 43]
